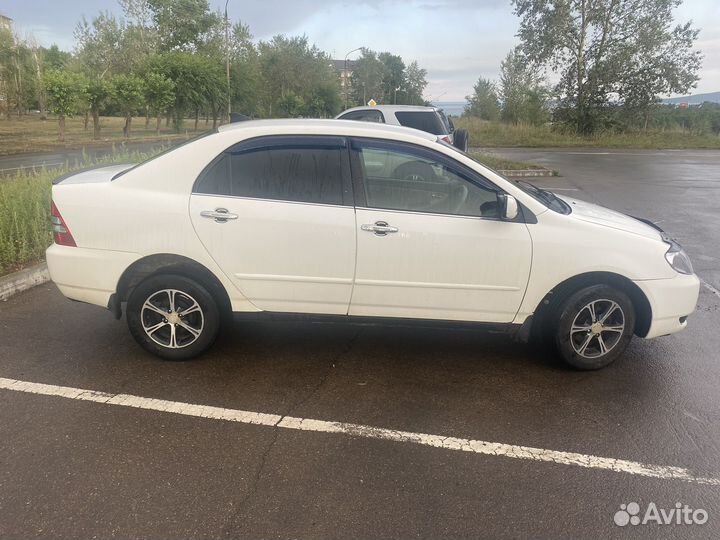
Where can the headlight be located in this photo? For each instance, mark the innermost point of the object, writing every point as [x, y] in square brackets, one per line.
[678, 259]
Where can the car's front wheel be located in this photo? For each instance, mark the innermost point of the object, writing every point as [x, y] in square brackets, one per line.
[173, 317]
[594, 326]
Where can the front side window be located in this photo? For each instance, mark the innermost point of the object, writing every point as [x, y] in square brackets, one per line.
[299, 172]
[398, 177]
[428, 121]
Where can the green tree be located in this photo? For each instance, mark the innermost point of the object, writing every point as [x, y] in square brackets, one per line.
[128, 92]
[159, 95]
[602, 48]
[62, 89]
[483, 102]
[96, 95]
[394, 76]
[367, 78]
[292, 68]
[182, 25]
[521, 91]
[415, 84]
[100, 47]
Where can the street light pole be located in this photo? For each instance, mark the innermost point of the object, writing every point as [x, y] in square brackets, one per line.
[227, 58]
[345, 77]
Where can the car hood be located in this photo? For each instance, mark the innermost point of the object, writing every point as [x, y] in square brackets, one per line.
[593, 213]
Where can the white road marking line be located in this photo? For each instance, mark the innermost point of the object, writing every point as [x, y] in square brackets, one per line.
[357, 430]
[560, 188]
[710, 287]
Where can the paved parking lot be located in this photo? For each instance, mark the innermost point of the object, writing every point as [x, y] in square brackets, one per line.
[414, 421]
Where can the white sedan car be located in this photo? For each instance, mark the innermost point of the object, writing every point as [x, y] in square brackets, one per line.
[361, 220]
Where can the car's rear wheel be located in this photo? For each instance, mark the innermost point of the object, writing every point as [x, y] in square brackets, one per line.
[173, 317]
[594, 326]
[460, 139]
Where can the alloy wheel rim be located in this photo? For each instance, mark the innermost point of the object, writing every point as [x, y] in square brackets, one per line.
[171, 318]
[597, 328]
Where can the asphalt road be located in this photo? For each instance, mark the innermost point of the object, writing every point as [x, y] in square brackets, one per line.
[73, 468]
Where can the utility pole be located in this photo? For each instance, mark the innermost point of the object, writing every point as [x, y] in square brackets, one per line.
[227, 58]
[346, 79]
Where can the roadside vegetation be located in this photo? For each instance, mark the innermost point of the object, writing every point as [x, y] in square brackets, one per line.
[501, 164]
[165, 60]
[488, 134]
[610, 62]
[29, 133]
[25, 198]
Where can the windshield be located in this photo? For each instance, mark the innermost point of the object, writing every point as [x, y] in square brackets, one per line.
[428, 121]
[546, 198]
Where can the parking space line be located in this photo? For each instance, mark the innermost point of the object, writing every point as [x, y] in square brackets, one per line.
[357, 430]
[710, 287]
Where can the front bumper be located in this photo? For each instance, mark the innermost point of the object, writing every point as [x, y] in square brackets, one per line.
[671, 301]
[87, 275]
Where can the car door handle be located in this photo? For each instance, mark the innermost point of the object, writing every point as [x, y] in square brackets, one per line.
[380, 228]
[220, 215]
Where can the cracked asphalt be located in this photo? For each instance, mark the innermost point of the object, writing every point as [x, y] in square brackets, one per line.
[78, 469]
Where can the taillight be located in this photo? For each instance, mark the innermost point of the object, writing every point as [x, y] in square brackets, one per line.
[445, 138]
[61, 233]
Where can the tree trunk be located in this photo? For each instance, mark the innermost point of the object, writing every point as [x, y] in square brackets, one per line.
[126, 128]
[61, 128]
[167, 120]
[197, 117]
[96, 123]
[157, 126]
[38, 75]
[86, 119]
[147, 117]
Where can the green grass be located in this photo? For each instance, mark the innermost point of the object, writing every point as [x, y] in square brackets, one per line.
[499, 163]
[496, 134]
[25, 230]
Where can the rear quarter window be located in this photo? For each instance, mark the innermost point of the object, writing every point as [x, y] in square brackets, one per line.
[428, 121]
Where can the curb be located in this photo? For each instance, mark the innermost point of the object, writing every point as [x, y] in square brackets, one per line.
[528, 172]
[23, 280]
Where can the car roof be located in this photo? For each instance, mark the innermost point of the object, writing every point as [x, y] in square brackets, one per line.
[298, 126]
[394, 108]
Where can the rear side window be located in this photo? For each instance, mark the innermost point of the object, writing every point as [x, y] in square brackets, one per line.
[298, 172]
[428, 121]
[368, 115]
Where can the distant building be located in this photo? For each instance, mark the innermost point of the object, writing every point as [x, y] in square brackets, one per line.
[5, 22]
[345, 71]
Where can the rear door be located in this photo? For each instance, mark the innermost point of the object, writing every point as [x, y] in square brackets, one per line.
[276, 214]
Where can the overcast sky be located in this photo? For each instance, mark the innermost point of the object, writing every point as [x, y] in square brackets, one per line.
[455, 40]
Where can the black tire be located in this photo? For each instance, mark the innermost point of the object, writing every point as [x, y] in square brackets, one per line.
[460, 139]
[589, 343]
[194, 309]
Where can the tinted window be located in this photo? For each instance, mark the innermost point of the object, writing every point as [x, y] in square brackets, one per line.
[428, 121]
[290, 173]
[400, 178]
[368, 115]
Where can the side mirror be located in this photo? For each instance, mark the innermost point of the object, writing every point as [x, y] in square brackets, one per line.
[508, 206]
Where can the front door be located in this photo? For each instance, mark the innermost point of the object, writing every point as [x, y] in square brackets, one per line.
[276, 215]
[431, 243]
